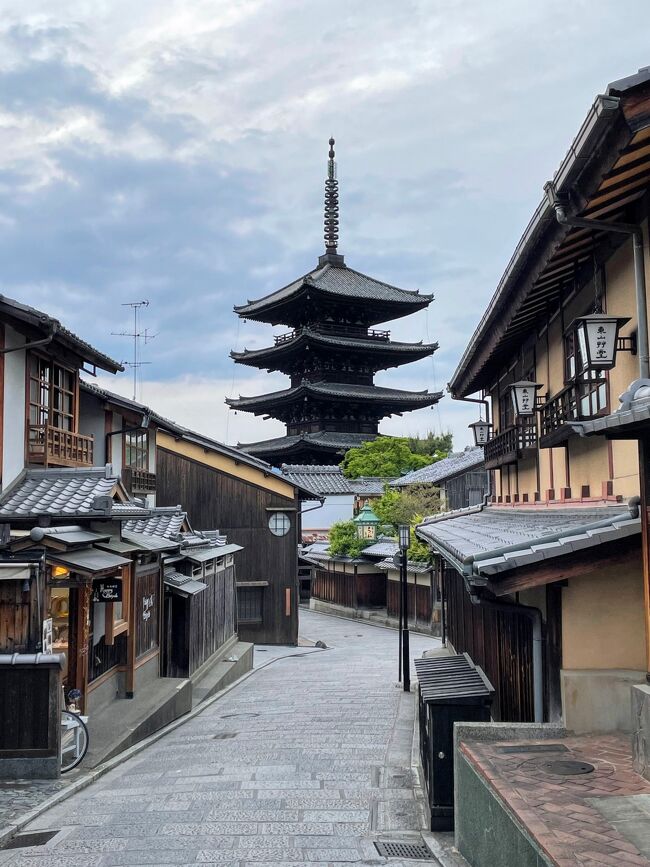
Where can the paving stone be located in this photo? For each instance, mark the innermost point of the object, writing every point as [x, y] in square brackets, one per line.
[336, 816]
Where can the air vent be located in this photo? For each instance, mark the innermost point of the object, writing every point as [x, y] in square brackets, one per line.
[401, 849]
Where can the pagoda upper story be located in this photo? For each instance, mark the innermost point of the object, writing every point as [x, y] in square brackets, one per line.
[331, 354]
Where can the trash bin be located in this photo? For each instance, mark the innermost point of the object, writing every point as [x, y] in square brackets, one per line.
[450, 689]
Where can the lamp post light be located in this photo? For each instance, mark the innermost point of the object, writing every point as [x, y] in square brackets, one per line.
[598, 339]
[367, 522]
[404, 543]
[482, 431]
[524, 397]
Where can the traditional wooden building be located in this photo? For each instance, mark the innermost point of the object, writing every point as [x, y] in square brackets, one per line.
[461, 479]
[331, 354]
[544, 586]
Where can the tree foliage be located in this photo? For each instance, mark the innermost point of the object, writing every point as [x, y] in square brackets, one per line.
[407, 506]
[388, 457]
[437, 446]
[344, 540]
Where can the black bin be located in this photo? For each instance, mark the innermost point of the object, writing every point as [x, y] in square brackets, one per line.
[451, 689]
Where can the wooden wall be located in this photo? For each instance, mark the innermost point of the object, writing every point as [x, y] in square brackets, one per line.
[350, 590]
[213, 617]
[458, 490]
[20, 629]
[31, 698]
[147, 587]
[419, 602]
[216, 500]
[500, 643]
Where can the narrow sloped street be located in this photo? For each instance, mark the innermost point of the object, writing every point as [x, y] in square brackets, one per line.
[306, 761]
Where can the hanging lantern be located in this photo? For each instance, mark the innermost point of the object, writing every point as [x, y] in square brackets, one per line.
[482, 431]
[597, 336]
[524, 395]
[404, 537]
[367, 523]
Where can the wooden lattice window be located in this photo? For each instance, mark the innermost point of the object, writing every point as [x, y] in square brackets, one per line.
[52, 394]
[136, 449]
[250, 604]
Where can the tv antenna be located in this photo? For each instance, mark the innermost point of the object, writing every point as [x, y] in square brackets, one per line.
[137, 336]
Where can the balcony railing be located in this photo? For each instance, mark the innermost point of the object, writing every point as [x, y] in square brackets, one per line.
[511, 444]
[338, 331]
[138, 481]
[54, 447]
[576, 402]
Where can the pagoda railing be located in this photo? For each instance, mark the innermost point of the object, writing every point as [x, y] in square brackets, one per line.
[335, 330]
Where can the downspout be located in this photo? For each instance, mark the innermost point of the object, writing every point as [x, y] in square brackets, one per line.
[559, 205]
[45, 341]
[535, 616]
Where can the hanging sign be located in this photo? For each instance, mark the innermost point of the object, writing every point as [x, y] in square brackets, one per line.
[147, 605]
[46, 641]
[107, 590]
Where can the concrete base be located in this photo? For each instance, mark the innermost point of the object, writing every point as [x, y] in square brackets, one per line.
[641, 729]
[42, 768]
[234, 660]
[378, 616]
[598, 700]
[486, 833]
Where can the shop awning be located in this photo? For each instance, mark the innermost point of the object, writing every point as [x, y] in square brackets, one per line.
[183, 584]
[482, 543]
[89, 560]
[14, 572]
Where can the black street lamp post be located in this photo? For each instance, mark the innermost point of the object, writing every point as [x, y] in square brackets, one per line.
[404, 542]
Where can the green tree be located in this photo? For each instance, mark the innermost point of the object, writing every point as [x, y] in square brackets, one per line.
[436, 445]
[345, 541]
[405, 507]
[388, 457]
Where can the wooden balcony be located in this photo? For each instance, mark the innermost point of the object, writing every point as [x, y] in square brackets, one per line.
[566, 406]
[138, 481]
[511, 445]
[54, 447]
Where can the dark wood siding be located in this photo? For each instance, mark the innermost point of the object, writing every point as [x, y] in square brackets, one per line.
[30, 696]
[501, 643]
[216, 500]
[350, 590]
[19, 625]
[212, 616]
[419, 602]
[465, 490]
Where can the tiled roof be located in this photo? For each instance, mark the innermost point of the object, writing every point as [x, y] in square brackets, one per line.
[633, 413]
[163, 522]
[315, 336]
[325, 439]
[324, 480]
[483, 541]
[70, 492]
[345, 282]
[345, 390]
[12, 309]
[453, 465]
[382, 548]
[412, 566]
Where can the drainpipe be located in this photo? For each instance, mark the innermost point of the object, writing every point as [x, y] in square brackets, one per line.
[45, 341]
[535, 616]
[559, 205]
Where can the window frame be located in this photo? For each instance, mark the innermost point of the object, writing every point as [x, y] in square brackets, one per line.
[273, 518]
[132, 452]
[51, 387]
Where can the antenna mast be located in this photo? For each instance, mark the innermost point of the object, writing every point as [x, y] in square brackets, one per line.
[137, 336]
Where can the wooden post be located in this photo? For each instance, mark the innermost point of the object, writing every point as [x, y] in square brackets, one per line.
[128, 576]
[83, 638]
[644, 480]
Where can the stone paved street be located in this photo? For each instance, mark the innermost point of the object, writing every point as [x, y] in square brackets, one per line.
[305, 762]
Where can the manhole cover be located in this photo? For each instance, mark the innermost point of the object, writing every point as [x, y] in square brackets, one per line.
[567, 767]
[246, 715]
[396, 849]
[223, 736]
[31, 838]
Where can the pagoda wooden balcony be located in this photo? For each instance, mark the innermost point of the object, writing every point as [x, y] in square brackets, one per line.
[511, 445]
[335, 331]
[573, 403]
[138, 481]
[55, 447]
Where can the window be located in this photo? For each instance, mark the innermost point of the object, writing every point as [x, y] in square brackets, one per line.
[136, 449]
[52, 391]
[590, 385]
[250, 604]
[279, 524]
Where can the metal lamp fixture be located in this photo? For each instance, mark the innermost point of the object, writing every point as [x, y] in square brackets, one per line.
[482, 431]
[597, 336]
[404, 537]
[524, 395]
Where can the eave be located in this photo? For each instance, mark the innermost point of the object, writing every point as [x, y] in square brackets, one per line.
[606, 170]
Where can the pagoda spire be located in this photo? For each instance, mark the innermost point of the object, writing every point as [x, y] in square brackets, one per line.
[331, 219]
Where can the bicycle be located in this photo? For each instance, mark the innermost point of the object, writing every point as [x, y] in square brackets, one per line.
[74, 737]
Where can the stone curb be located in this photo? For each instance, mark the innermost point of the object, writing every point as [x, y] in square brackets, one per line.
[16, 826]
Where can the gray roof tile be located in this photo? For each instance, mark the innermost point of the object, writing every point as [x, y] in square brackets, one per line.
[163, 522]
[342, 389]
[56, 492]
[327, 439]
[453, 465]
[327, 480]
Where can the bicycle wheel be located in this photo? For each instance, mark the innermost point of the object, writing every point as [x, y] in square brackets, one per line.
[74, 740]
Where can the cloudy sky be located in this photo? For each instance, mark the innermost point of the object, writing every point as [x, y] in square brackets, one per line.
[175, 152]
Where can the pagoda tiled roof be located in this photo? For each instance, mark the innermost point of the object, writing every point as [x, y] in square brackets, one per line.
[343, 391]
[365, 344]
[325, 440]
[339, 281]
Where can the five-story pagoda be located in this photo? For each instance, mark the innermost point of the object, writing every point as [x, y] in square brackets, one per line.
[331, 354]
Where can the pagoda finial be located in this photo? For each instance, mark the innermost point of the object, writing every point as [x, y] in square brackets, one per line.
[331, 222]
